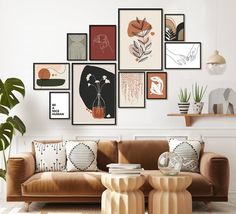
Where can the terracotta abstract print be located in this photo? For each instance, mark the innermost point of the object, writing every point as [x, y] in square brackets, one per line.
[102, 42]
[131, 86]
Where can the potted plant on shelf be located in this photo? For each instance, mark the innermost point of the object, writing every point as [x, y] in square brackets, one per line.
[198, 93]
[184, 97]
[9, 124]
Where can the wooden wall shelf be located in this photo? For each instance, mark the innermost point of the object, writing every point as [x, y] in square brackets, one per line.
[189, 117]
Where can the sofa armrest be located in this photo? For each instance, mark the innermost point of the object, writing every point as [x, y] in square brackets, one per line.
[215, 168]
[19, 168]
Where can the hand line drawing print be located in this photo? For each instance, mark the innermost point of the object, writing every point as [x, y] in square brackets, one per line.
[103, 42]
[141, 31]
[181, 59]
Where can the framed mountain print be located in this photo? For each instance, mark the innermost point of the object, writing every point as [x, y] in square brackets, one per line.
[94, 94]
[174, 27]
[48, 76]
[183, 55]
[156, 85]
[131, 89]
[140, 39]
[59, 105]
[76, 46]
[102, 42]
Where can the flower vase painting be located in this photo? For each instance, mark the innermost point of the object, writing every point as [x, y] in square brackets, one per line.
[94, 94]
[140, 39]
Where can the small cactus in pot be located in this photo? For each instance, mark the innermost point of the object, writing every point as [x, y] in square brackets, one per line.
[184, 97]
[198, 93]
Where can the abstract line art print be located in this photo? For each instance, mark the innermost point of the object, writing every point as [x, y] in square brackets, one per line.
[140, 39]
[156, 85]
[94, 94]
[102, 43]
[183, 55]
[49, 76]
[174, 27]
[76, 46]
[131, 89]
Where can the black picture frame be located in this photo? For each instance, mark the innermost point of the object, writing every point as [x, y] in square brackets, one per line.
[119, 39]
[90, 43]
[50, 106]
[166, 83]
[115, 92]
[184, 67]
[119, 88]
[86, 48]
[175, 14]
[51, 88]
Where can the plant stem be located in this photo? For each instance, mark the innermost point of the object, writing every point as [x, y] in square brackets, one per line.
[5, 160]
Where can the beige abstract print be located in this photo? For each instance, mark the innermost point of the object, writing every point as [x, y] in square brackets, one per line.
[132, 90]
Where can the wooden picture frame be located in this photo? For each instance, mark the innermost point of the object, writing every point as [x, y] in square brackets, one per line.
[140, 39]
[157, 86]
[59, 105]
[94, 94]
[51, 76]
[77, 46]
[131, 88]
[102, 42]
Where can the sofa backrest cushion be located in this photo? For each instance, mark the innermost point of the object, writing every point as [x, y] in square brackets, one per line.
[107, 152]
[144, 152]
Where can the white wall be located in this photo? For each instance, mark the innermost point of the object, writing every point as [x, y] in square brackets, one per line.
[35, 31]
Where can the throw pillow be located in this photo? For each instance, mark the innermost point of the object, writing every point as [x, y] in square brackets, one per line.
[81, 155]
[50, 157]
[189, 150]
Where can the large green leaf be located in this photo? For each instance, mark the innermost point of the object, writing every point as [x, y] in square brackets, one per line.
[3, 174]
[17, 124]
[6, 134]
[3, 110]
[7, 92]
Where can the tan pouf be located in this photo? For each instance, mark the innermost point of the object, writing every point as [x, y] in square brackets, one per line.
[122, 195]
[169, 195]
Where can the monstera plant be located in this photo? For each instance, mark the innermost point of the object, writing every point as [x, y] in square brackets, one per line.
[9, 90]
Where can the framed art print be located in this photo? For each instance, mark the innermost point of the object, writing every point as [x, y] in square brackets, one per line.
[48, 76]
[140, 39]
[174, 27]
[76, 46]
[183, 55]
[102, 42]
[131, 89]
[156, 85]
[94, 94]
[59, 105]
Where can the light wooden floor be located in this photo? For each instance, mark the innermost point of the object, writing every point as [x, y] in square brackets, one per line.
[42, 208]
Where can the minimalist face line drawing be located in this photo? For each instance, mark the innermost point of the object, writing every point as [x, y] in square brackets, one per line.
[183, 55]
[77, 47]
[174, 27]
[131, 90]
[140, 29]
[103, 42]
[157, 85]
[51, 76]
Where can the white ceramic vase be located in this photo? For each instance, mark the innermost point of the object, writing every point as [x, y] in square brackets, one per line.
[183, 108]
[197, 107]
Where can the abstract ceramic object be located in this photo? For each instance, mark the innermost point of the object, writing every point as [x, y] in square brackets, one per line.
[169, 163]
[197, 107]
[222, 101]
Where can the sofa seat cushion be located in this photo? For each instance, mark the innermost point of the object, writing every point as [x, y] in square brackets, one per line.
[200, 186]
[64, 184]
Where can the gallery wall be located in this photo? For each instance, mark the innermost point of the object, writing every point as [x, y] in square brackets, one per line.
[35, 31]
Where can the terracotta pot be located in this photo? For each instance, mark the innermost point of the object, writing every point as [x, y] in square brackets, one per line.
[197, 108]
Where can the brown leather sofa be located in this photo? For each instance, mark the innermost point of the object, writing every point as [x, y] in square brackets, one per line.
[23, 184]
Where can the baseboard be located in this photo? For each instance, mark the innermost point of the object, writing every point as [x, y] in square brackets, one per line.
[232, 194]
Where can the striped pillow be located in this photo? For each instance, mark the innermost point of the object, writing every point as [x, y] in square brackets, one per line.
[189, 150]
[81, 155]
